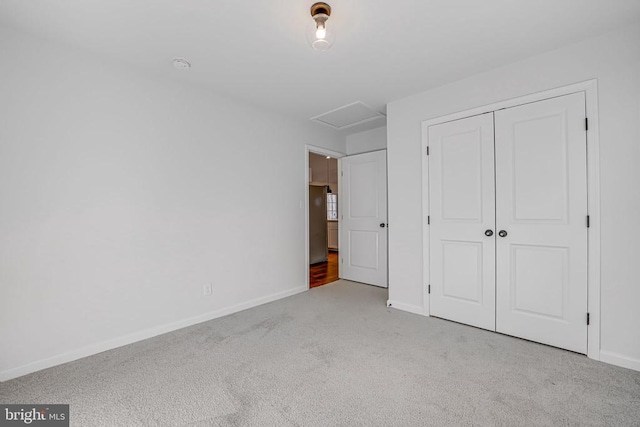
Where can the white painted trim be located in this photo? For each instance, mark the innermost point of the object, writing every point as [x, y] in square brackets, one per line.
[593, 207]
[367, 152]
[323, 151]
[619, 360]
[426, 254]
[587, 86]
[92, 349]
[590, 88]
[405, 307]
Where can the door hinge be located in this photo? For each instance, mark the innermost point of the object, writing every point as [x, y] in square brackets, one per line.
[341, 173]
[588, 221]
[427, 150]
[342, 260]
[429, 289]
[588, 320]
[586, 123]
[428, 219]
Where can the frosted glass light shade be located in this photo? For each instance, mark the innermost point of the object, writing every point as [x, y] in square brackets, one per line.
[317, 41]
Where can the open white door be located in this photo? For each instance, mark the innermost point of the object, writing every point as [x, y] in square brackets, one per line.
[462, 211]
[363, 236]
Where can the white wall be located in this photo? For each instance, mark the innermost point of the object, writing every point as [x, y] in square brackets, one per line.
[112, 216]
[614, 59]
[369, 140]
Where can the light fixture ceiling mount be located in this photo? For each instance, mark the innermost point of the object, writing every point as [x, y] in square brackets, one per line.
[320, 7]
[322, 39]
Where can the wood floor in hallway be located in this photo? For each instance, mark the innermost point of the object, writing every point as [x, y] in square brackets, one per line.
[324, 272]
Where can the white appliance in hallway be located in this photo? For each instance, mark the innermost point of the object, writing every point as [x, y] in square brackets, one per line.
[508, 221]
[363, 239]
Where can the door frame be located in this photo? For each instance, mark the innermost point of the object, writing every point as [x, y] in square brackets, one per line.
[325, 152]
[590, 88]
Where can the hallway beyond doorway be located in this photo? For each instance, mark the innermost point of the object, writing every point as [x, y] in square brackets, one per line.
[324, 272]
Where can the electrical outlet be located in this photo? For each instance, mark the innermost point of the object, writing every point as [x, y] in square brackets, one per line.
[206, 289]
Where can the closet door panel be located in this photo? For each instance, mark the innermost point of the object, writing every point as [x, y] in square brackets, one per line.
[462, 208]
[541, 204]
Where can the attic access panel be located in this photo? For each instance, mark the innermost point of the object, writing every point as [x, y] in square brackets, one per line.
[349, 115]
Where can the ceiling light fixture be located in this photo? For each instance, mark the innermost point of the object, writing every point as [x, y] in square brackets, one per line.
[322, 39]
[181, 64]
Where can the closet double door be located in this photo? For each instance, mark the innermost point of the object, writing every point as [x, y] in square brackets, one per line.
[508, 221]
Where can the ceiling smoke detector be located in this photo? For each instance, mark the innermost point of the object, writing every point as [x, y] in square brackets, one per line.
[181, 64]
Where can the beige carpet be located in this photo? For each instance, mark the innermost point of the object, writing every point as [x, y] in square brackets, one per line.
[335, 356]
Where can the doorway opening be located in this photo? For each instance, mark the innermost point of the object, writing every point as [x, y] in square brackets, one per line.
[322, 208]
[323, 219]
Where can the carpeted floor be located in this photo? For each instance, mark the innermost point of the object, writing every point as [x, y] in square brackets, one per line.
[335, 356]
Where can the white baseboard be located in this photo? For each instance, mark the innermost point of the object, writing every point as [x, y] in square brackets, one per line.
[620, 360]
[406, 307]
[140, 335]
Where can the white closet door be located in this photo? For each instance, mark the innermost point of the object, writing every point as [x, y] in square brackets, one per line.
[462, 210]
[363, 192]
[541, 195]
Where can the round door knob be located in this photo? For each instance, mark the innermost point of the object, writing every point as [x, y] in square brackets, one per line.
[382, 225]
[488, 233]
[502, 233]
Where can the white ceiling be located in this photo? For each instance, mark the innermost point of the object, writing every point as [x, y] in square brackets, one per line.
[257, 50]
